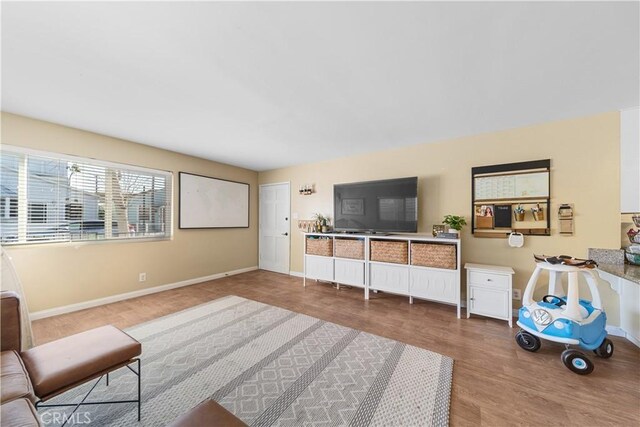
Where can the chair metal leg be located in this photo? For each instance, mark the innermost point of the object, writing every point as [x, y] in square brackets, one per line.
[76, 406]
[139, 389]
[83, 402]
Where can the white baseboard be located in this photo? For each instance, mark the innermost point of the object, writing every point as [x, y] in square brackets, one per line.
[633, 340]
[616, 331]
[121, 297]
[296, 273]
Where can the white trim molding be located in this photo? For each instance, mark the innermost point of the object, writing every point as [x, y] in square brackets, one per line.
[128, 295]
[616, 331]
[296, 274]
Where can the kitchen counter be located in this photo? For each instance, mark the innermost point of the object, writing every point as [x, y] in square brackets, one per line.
[625, 271]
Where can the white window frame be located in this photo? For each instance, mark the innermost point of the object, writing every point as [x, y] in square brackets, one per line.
[23, 201]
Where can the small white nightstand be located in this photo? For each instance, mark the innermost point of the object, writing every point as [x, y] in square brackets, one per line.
[489, 291]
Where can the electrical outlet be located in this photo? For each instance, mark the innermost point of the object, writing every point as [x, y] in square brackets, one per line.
[142, 277]
[517, 295]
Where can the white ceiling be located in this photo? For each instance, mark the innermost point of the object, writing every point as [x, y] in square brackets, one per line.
[265, 85]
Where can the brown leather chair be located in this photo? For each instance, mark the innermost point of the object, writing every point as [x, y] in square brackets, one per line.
[16, 392]
[42, 372]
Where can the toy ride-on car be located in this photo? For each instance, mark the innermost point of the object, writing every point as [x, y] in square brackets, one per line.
[565, 318]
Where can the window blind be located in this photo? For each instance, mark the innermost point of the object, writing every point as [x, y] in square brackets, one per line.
[46, 197]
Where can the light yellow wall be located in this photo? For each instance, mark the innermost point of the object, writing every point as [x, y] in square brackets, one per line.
[59, 274]
[585, 171]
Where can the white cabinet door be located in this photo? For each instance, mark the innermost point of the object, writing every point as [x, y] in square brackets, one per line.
[434, 285]
[392, 278]
[630, 309]
[630, 160]
[349, 272]
[489, 302]
[319, 267]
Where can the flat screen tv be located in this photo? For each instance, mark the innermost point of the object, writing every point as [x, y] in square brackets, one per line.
[390, 205]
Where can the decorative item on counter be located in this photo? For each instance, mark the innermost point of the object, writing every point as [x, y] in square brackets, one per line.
[634, 235]
[632, 253]
[437, 229]
[538, 212]
[306, 189]
[454, 222]
[518, 213]
[636, 219]
[443, 235]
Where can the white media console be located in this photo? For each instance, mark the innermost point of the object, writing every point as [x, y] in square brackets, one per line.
[355, 260]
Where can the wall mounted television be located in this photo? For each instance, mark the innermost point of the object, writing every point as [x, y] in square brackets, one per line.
[385, 206]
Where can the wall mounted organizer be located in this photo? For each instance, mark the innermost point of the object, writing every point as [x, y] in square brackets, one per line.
[512, 197]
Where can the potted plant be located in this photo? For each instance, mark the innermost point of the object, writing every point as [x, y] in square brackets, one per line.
[518, 212]
[454, 222]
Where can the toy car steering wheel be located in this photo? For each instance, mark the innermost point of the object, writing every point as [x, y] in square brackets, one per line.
[550, 300]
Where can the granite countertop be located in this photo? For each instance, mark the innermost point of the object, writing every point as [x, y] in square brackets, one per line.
[626, 271]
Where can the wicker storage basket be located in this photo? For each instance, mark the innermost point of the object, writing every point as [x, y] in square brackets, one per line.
[433, 255]
[349, 248]
[323, 247]
[389, 251]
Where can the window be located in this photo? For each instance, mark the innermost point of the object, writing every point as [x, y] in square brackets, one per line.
[38, 213]
[73, 212]
[46, 197]
[9, 207]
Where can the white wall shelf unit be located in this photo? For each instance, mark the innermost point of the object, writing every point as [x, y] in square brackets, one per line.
[346, 259]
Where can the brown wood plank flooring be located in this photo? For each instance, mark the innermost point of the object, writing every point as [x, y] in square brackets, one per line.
[495, 383]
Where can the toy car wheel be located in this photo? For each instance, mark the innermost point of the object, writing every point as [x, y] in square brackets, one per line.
[528, 341]
[577, 362]
[605, 350]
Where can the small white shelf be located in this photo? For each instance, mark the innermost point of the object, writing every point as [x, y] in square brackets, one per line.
[489, 289]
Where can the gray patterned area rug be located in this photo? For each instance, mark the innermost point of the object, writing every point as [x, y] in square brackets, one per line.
[271, 366]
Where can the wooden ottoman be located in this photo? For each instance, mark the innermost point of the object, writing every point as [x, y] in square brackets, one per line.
[66, 363]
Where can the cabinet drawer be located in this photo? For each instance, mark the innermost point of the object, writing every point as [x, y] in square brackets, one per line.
[319, 267]
[489, 302]
[392, 278]
[489, 279]
[434, 285]
[349, 272]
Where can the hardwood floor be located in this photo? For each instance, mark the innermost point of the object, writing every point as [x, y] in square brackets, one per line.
[495, 383]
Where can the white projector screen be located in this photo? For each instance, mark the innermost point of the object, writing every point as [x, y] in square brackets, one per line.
[212, 203]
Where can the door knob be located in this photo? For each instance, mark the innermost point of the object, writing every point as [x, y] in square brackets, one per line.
[285, 234]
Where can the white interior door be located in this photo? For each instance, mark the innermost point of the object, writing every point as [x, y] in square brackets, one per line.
[275, 229]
